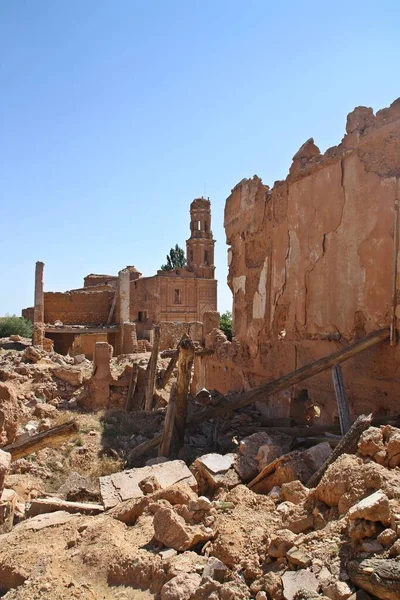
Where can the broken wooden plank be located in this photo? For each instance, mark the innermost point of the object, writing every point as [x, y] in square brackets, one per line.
[169, 424]
[282, 383]
[341, 399]
[185, 364]
[132, 387]
[347, 445]
[151, 371]
[52, 437]
[144, 448]
[170, 369]
[40, 506]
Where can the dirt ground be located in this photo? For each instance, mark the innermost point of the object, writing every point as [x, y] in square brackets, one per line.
[215, 538]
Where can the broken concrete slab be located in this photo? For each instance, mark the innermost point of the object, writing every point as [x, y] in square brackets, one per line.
[374, 507]
[217, 463]
[215, 470]
[122, 486]
[297, 557]
[47, 520]
[294, 581]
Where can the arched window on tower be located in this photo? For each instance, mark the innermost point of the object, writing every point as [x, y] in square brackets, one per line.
[206, 259]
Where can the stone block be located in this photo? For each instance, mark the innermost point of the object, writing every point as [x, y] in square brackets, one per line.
[8, 501]
[298, 557]
[181, 587]
[294, 581]
[172, 530]
[374, 507]
[216, 470]
[39, 522]
[122, 486]
[281, 542]
[253, 449]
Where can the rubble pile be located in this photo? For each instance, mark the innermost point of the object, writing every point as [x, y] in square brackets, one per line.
[230, 518]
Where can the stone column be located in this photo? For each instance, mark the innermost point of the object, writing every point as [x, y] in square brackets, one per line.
[124, 308]
[38, 311]
[99, 384]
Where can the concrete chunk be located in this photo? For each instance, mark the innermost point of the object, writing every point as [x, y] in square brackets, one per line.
[47, 520]
[294, 581]
[374, 507]
[125, 485]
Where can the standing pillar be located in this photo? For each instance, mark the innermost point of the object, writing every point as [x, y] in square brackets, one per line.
[38, 310]
[124, 307]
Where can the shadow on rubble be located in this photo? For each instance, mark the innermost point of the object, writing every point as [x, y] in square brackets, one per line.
[124, 431]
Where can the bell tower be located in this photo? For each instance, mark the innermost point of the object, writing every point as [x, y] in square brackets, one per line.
[200, 245]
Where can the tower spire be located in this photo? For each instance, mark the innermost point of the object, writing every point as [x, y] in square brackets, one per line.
[200, 245]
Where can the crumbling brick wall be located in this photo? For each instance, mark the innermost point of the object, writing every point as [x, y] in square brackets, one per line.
[171, 333]
[310, 267]
[78, 307]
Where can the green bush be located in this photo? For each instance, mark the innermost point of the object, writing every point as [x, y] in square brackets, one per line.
[225, 323]
[13, 325]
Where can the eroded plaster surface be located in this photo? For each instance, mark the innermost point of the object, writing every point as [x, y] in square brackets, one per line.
[310, 265]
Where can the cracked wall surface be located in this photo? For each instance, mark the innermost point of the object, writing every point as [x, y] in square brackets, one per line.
[310, 266]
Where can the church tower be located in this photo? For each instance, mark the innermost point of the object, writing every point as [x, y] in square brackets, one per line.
[200, 245]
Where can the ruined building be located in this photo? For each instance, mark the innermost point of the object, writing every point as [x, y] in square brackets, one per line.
[312, 266]
[123, 309]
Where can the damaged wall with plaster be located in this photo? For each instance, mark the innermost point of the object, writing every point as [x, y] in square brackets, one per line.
[310, 266]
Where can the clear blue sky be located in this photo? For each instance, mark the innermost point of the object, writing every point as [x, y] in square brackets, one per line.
[116, 114]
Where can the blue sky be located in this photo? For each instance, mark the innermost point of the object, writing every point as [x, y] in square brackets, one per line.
[116, 114]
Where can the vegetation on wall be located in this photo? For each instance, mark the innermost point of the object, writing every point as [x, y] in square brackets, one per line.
[13, 325]
[175, 259]
[225, 324]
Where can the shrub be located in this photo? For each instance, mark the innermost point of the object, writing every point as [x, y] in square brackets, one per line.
[13, 325]
[225, 324]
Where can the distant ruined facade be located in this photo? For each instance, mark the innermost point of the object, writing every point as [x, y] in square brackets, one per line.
[311, 268]
[123, 309]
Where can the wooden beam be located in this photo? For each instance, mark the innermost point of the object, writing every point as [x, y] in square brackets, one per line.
[151, 371]
[341, 399]
[131, 389]
[265, 390]
[185, 364]
[39, 506]
[169, 424]
[309, 370]
[171, 366]
[347, 445]
[52, 437]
